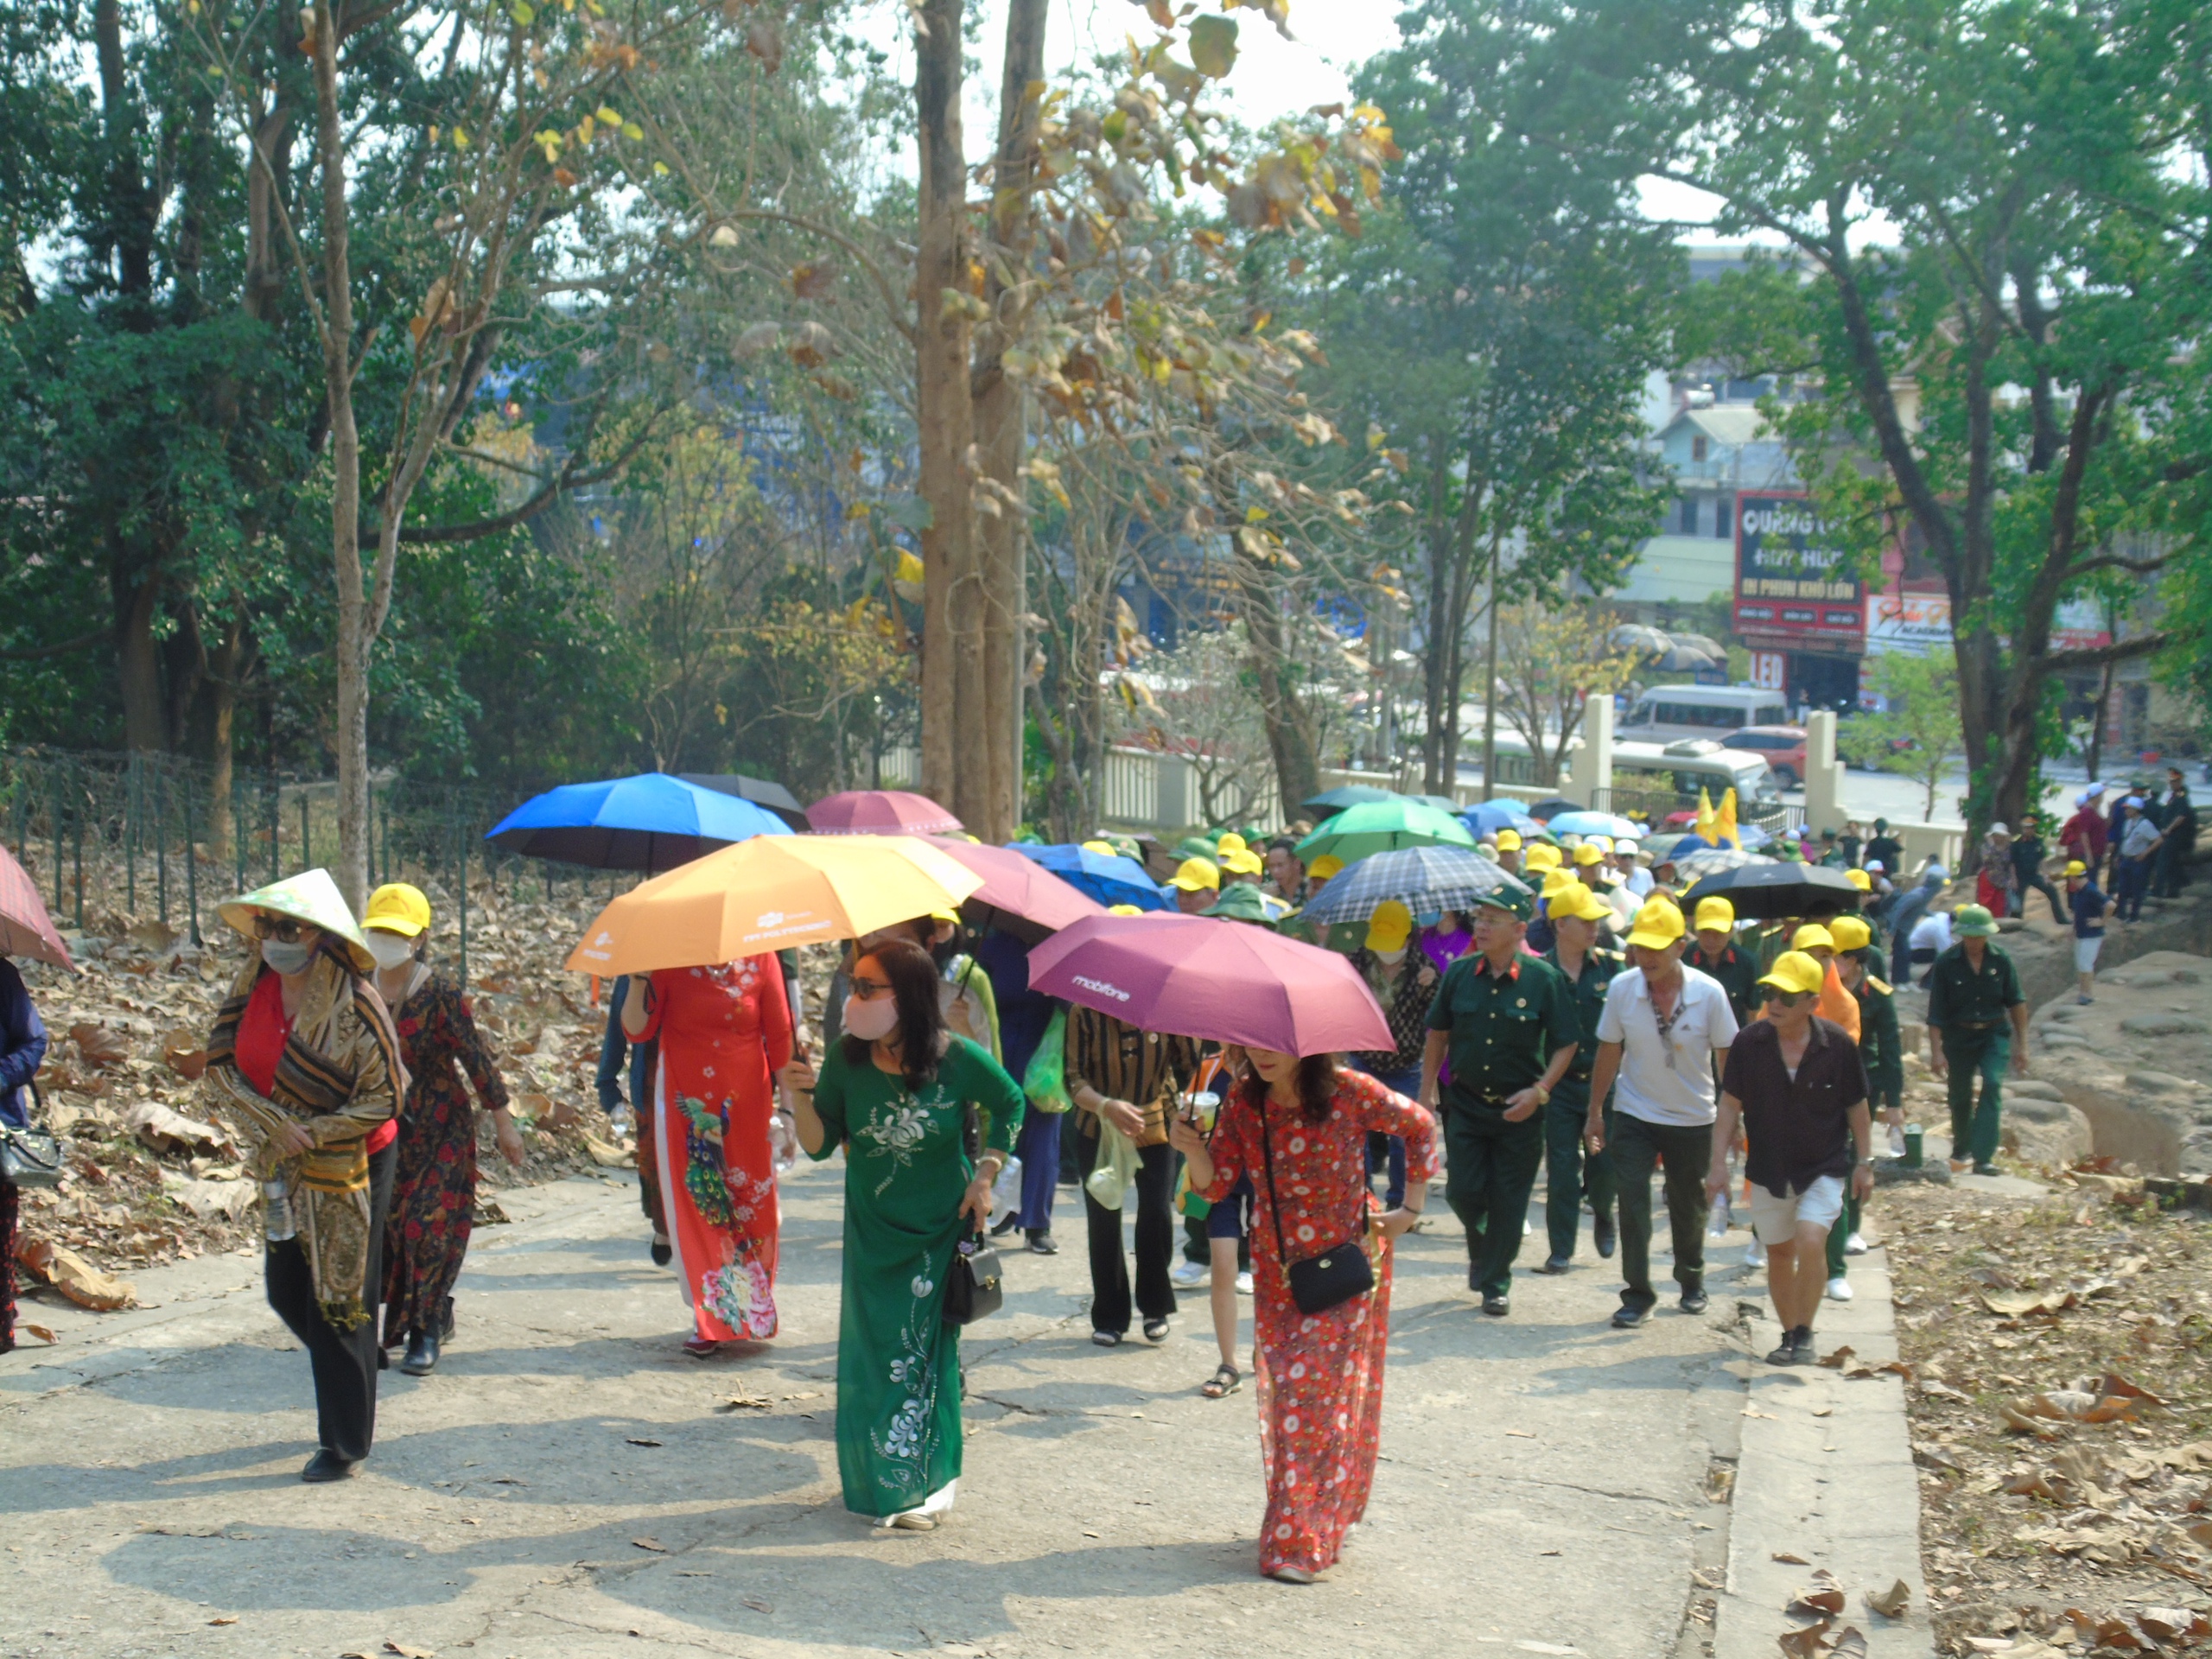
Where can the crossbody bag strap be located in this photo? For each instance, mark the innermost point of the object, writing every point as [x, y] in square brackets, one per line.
[1274, 1204]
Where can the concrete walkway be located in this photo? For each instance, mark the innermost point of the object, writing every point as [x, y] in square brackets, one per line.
[566, 1485]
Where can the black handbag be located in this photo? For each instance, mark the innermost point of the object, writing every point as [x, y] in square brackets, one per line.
[972, 1287]
[30, 1157]
[1339, 1272]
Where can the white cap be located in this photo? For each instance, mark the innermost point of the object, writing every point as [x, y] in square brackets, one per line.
[1999, 830]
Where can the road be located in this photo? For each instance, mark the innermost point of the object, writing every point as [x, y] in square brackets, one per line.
[565, 1484]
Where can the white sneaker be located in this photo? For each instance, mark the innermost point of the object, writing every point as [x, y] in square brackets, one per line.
[1839, 1290]
[1190, 1273]
[1244, 1284]
[1754, 1253]
[1896, 1141]
[1855, 1245]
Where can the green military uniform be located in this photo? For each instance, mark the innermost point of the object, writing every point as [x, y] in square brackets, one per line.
[1971, 1010]
[1882, 1054]
[1737, 971]
[1569, 1177]
[1504, 1029]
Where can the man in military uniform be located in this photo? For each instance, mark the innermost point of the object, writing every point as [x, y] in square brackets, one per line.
[1588, 969]
[1715, 955]
[1883, 1056]
[1974, 993]
[1507, 1022]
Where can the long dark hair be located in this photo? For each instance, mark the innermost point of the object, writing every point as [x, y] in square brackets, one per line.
[1314, 1083]
[920, 1031]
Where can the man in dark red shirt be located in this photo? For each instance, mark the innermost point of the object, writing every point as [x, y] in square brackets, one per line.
[2084, 835]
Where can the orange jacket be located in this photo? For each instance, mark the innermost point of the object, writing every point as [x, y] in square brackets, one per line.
[1836, 1005]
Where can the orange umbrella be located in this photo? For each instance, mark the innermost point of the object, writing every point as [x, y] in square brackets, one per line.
[26, 929]
[769, 894]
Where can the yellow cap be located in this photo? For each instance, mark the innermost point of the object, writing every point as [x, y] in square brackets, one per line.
[1795, 971]
[1123, 910]
[1588, 853]
[950, 918]
[1851, 933]
[1859, 880]
[1541, 856]
[1658, 924]
[1197, 875]
[1811, 937]
[1390, 926]
[1715, 913]
[1105, 848]
[1242, 861]
[397, 908]
[1230, 842]
[2075, 867]
[1556, 882]
[1508, 841]
[1576, 901]
[1324, 867]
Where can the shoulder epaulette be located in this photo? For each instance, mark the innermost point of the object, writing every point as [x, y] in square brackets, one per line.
[1882, 986]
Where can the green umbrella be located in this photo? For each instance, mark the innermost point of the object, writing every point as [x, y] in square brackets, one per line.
[1383, 827]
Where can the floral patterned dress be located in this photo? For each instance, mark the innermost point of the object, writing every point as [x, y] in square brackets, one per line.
[1320, 1375]
[724, 1032]
[433, 1187]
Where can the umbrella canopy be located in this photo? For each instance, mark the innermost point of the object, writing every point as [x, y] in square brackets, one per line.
[1109, 879]
[1765, 891]
[1670, 846]
[1485, 816]
[1544, 811]
[1345, 795]
[1442, 803]
[652, 822]
[1423, 879]
[1582, 823]
[1639, 637]
[1695, 860]
[758, 790]
[880, 812]
[1193, 976]
[26, 929]
[767, 894]
[1382, 827]
[1016, 890]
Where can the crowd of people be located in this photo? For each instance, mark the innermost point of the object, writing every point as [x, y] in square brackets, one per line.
[1569, 1019]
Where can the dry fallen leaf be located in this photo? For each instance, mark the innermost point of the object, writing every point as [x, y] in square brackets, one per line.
[746, 1403]
[40, 1331]
[653, 1544]
[1892, 1602]
[1810, 1642]
[406, 1652]
[1790, 1556]
[756, 1605]
[1836, 1361]
[638, 1439]
[1823, 1411]
[226, 1618]
[1824, 1595]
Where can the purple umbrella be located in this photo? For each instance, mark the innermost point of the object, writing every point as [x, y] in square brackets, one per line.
[1196, 976]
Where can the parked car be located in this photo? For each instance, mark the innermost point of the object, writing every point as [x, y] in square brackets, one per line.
[1660, 780]
[1783, 746]
[1668, 712]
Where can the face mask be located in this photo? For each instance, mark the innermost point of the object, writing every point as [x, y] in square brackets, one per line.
[1392, 958]
[287, 959]
[872, 1020]
[388, 949]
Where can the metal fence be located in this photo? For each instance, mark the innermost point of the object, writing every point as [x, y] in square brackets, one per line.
[114, 840]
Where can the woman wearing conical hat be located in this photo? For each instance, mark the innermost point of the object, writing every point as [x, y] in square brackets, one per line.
[304, 1060]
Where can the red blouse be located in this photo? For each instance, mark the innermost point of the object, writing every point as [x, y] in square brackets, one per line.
[263, 1030]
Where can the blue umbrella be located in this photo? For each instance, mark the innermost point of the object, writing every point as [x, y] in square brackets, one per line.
[1594, 823]
[652, 822]
[1485, 816]
[1108, 879]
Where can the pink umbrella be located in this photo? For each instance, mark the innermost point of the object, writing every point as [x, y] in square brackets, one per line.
[1023, 890]
[880, 812]
[25, 928]
[1198, 976]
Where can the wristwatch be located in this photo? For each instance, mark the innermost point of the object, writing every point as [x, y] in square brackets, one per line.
[1543, 1094]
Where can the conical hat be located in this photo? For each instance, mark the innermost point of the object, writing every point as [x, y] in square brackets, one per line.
[310, 896]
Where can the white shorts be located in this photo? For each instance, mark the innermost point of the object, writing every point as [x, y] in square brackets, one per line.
[2085, 947]
[1777, 1220]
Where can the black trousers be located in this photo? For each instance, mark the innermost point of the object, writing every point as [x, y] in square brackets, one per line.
[343, 1362]
[2038, 882]
[1488, 1181]
[1686, 1150]
[1109, 1268]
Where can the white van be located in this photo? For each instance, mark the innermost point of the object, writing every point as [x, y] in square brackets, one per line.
[1662, 778]
[1667, 712]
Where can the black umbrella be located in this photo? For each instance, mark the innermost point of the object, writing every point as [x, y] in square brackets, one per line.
[1771, 892]
[758, 790]
[1544, 811]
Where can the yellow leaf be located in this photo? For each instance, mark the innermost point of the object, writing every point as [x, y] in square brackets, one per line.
[607, 116]
[461, 138]
[1255, 515]
[585, 128]
[633, 131]
[522, 13]
[660, 169]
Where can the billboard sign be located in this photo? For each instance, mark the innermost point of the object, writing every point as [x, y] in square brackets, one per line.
[1907, 625]
[1789, 581]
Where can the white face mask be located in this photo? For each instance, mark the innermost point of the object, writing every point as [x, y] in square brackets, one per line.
[1391, 959]
[388, 949]
[872, 1020]
[287, 959]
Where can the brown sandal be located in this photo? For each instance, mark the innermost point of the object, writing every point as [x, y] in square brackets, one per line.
[1226, 1380]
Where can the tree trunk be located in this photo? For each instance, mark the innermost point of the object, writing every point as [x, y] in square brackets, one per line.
[353, 637]
[139, 662]
[2096, 754]
[226, 667]
[952, 742]
[1290, 740]
[1490, 680]
[1001, 414]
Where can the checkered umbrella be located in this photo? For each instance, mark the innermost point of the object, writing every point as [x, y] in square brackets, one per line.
[1422, 878]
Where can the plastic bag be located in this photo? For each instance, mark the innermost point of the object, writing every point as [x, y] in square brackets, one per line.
[1005, 1191]
[1110, 1177]
[1045, 1079]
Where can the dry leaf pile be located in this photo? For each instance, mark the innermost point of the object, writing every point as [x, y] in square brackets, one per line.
[2056, 1351]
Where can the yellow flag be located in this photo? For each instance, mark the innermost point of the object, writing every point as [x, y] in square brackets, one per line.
[1706, 821]
[1727, 821]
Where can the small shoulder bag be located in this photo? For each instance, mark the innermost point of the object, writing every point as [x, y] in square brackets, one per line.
[1339, 1272]
[973, 1287]
[30, 1157]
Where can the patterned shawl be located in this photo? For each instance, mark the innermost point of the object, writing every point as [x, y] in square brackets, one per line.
[338, 1076]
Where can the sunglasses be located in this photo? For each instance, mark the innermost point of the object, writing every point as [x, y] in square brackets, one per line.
[1789, 999]
[285, 930]
[866, 990]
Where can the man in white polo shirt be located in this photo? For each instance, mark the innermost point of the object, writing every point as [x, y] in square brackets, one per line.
[1662, 1039]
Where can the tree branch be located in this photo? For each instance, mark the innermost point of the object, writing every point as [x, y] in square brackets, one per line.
[31, 653]
[570, 477]
[2120, 650]
[2114, 561]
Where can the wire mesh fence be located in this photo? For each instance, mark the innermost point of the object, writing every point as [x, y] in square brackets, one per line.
[113, 840]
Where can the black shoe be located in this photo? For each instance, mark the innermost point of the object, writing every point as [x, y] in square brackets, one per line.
[1497, 1306]
[1604, 1234]
[326, 1464]
[1694, 1302]
[1040, 1243]
[663, 1253]
[1474, 1278]
[384, 1358]
[1555, 1264]
[1627, 1317]
[422, 1354]
[1785, 1353]
[1012, 1220]
[1155, 1330]
[1988, 1169]
[1802, 1342]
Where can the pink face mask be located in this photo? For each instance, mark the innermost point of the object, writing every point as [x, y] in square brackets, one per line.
[872, 1020]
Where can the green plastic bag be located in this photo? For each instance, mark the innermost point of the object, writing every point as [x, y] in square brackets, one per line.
[1044, 1080]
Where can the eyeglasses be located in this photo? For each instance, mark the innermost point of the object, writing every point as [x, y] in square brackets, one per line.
[285, 930]
[866, 989]
[1789, 999]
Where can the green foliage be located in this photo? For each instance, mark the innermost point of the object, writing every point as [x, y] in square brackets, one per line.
[1919, 735]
